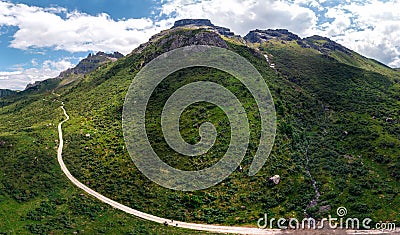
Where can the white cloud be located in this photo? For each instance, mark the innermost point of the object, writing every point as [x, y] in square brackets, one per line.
[371, 28]
[75, 31]
[18, 79]
[341, 22]
[244, 15]
[3, 75]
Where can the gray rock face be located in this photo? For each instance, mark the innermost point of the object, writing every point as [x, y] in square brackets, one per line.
[194, 22]
[261, 36]
[91, 62]
[85, 66]
[202, 38]
[176, 37]
[33, 85]
[322, 44]
[224, 31]
[203, 23]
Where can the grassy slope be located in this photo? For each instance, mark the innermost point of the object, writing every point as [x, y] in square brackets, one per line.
[35, 197]
[357, 159]
[317, 99]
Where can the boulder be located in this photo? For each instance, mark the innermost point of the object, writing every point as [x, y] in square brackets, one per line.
[276, 179]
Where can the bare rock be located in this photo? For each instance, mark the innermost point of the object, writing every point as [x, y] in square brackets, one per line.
[326, 208]
[276, 179]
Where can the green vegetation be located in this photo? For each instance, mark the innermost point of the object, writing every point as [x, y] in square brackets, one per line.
[337, 119]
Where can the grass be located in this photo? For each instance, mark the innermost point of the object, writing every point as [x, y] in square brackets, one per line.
[331, 111]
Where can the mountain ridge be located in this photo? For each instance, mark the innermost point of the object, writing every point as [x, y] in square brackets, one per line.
[90, 63]
[7, 92]
[322, 44]
[85, 66]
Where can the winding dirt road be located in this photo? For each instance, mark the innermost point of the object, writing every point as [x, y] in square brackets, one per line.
[200, 227]
[193, 226]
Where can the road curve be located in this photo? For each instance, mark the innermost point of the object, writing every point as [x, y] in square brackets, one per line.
[200, 227]
[193, 226]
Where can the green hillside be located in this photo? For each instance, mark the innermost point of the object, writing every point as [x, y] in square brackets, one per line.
[338, 126]
[6, 92]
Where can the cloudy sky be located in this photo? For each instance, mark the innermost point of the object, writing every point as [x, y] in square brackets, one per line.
[39, 39]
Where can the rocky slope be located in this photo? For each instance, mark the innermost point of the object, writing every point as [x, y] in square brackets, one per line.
[90, 63]
[322, 44]
[85, 66]
[203, 23]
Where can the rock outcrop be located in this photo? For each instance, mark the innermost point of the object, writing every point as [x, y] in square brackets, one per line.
[90, 63]
[202, 32]
[85, 66]
[260, 36]
[324, 45]
[31, 86]
[276, 179]
[203, 23]
[195, 22]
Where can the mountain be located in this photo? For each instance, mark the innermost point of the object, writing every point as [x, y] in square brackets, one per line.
[90, 63]
[6, 92]
[323, 45]
[85, 66]
[204, 23]
[337, 141]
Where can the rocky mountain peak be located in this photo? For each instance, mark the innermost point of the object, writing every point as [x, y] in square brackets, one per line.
[324, 44]
[194, 22]
[203, 23]
[85, 66]
[91, 62]
[260, 36]
[199, 32]
[115, 55]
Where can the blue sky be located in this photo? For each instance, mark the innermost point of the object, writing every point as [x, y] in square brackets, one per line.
[116, 10]
[39, 39]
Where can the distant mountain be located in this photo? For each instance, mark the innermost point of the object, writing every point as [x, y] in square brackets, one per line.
[337, 141]
[6, 92]
[85, 66]
[90, 63]
[322, 44]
